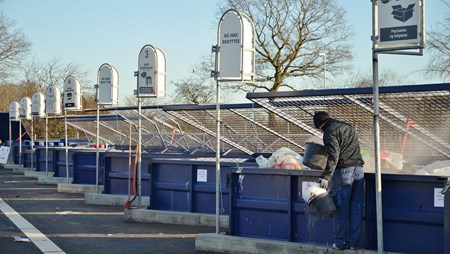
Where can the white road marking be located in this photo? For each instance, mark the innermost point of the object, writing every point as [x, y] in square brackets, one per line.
[39, 239]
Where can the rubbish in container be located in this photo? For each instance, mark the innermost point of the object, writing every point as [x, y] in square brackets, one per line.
[438, 168]
[284, 158]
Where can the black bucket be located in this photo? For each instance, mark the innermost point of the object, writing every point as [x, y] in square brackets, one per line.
[323, 205]
[315, 156]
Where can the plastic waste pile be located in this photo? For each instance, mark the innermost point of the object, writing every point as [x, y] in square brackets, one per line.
[437, 168]
[284, 158]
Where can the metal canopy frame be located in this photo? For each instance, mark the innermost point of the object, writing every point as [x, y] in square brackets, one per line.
[428, 106]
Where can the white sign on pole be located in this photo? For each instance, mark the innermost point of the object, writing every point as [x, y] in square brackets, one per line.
[151, 73]
[108, 85]
[236, 48]
[14, 111]
[4, 153]
[400, 24]
[38, 104]
[25, 108]
[72, 94]
[53, 101]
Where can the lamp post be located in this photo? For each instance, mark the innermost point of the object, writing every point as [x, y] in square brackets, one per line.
[324, 55]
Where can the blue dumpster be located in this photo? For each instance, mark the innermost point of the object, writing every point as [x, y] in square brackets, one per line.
[189, 184]
[267, 203]
[84, 167]
[40, 157]
[410, 204]
[59, 161]
[117, 174]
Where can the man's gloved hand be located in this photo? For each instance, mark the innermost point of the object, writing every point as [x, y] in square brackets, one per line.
[323, 183]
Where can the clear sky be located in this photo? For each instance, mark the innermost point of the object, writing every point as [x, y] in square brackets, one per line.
[93, 32]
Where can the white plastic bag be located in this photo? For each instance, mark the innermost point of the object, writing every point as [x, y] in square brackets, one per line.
[285, 158]
[261, 161]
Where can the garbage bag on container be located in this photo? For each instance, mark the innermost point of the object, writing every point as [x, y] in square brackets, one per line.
[285, 158]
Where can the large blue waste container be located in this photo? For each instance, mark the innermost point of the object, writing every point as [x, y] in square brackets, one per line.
[117, 173]
[189, 184]
[413, 216]
[59, 161]
[267, 203]
[84, 167]
[41, 161]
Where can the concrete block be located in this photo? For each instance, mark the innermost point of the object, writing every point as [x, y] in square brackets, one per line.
[171, 217]
[37, 174]
[78, 188]
[53, 180]
[22, 170]
[110, 199]
[222, 243]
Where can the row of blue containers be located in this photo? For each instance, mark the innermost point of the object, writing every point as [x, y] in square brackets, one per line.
[267, 203]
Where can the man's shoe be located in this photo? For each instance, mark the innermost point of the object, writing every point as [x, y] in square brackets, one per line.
[334, 247]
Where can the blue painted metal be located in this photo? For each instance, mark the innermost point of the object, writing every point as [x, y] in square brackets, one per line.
[176, 186]
[408, 206]
[351, 91]
[267, 203]
[84, 167]
[447, 221]
[59, 160]
[40, 157]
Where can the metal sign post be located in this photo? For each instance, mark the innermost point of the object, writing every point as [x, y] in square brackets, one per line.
[107, 93]
[235, 62]
[397, 28]
[66, 145]
[53, 107]
[151, 82]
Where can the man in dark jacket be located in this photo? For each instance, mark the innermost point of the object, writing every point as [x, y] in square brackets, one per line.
[344, 171]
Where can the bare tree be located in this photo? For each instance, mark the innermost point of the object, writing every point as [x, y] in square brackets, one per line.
[291, 36]
[190, 90]
[13, 47]
[53, 72]
[387, 78]
[439, 45]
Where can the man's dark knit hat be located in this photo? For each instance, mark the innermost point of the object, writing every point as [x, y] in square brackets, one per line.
[320, 117]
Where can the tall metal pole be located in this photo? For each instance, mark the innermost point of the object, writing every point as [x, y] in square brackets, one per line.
[376, 127]
[139, 153]
[10, 136]
[324, 68]
[97, 147]
[67, 146]
[32, 141]
[46, 144]
[218, 158]
[20, 141]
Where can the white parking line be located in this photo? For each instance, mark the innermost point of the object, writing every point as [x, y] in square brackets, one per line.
[39, 239]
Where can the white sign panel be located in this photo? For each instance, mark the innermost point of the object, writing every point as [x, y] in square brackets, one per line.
[108, 85]
[4, 153]
[399, 23]
[202, 175]
[53, 101]
[25, 108]
[151, 80]
[38, 104]
[236, 47]
[14, 111]
[72, 94]
[438, 197]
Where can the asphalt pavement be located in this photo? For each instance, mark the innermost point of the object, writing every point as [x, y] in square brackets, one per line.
[75, 227]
